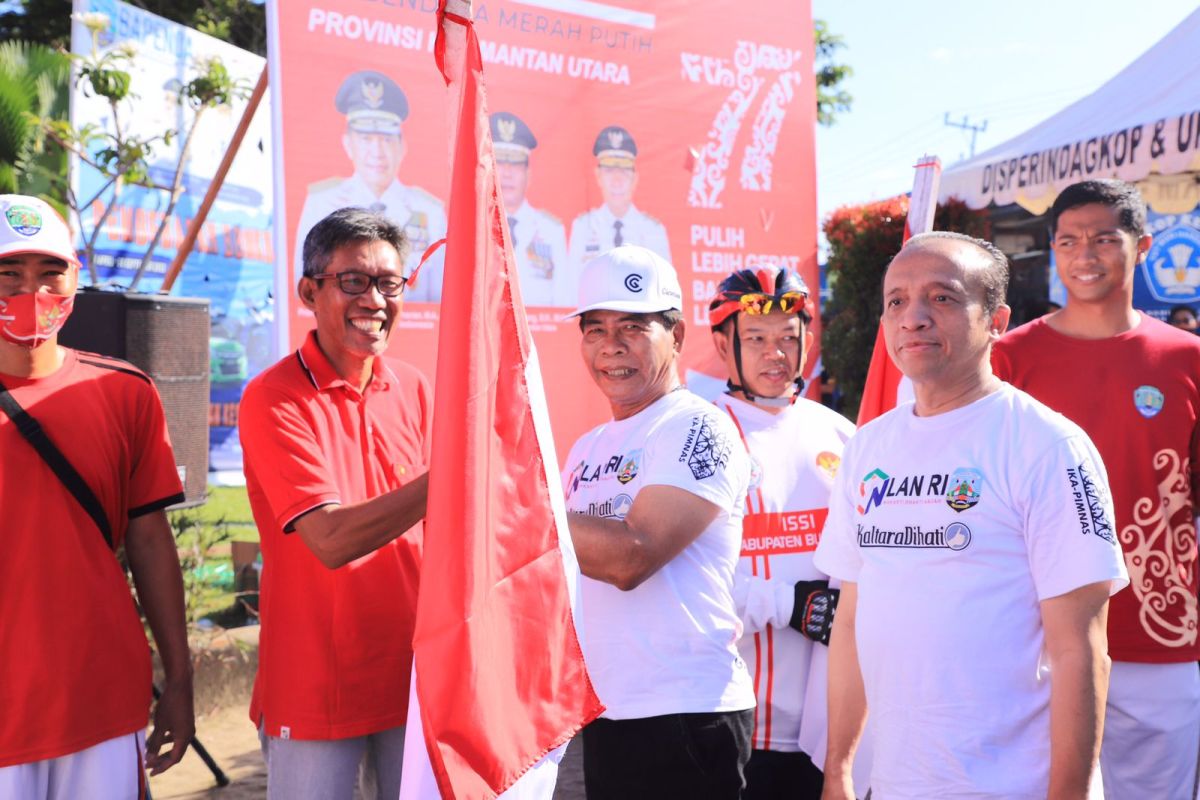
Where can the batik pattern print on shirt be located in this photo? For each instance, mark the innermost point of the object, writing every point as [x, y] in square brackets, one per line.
[1160, 552]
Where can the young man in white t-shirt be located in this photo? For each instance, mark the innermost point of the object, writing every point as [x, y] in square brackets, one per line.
[973, 533]
[759, 322]
[655, 509]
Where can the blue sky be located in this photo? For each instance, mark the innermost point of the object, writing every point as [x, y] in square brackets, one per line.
[1012, 63]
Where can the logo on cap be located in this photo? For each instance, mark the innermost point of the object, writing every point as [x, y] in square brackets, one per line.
[25, 220]
[633, 282]
[372, 94]
[616, 139]
[507, 129]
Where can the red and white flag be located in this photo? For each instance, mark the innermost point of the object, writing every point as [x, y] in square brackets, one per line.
[886, 385]
[498, 669]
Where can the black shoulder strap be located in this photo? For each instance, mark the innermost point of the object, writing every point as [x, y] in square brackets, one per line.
[33, 433]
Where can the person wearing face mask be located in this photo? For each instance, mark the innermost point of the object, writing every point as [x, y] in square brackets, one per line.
[87, 468]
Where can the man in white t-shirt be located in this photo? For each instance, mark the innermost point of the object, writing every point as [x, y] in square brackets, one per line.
[655, 509]
[760, 331]
[973, 533]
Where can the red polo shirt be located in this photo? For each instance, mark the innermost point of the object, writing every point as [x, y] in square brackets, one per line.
[74, 663]
[335, 650]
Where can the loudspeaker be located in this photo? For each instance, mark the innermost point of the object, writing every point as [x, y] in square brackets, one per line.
[167, 338]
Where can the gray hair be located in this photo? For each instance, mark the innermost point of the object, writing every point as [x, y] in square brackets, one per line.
[349, 226]
[993, 278]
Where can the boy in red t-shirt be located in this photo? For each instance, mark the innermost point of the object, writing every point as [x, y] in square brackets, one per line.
[76, 677]
[1133, 384]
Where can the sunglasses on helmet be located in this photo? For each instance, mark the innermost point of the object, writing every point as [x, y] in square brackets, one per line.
[759, 303]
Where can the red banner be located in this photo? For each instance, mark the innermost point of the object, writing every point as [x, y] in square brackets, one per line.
[690, 122]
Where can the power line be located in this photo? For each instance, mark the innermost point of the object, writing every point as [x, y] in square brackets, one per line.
[967, 126]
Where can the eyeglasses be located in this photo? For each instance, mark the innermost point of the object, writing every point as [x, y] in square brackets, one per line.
[359, 282]
[757, 303]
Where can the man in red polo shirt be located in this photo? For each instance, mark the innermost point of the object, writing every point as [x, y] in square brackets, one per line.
[336, 441]
[1133, 384]
[74, 665]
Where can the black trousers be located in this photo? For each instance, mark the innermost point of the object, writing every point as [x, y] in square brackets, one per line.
[772, 775]
[685, 756]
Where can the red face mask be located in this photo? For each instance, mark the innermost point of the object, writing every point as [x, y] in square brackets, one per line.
[32, 318]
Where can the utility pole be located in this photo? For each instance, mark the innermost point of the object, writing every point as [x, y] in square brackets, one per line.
[967, 126]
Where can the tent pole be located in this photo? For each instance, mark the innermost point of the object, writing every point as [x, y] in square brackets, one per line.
[189, 241]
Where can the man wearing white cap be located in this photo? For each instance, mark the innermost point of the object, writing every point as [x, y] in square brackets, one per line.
[375, 109]
[655, 509]
[87, 468]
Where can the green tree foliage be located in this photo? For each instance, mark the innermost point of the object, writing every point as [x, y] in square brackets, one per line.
[831, 100]
[33, 83]
[862, 240]
[239, 22]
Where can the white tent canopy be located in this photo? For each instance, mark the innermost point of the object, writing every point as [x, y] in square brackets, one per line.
[1143, 122]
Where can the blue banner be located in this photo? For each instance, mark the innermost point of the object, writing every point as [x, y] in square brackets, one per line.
[232, 263]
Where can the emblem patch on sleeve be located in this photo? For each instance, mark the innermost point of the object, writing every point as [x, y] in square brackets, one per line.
[706, 449]
[1089, 496]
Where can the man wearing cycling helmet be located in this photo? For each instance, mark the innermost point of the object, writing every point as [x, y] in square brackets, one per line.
[760, 330]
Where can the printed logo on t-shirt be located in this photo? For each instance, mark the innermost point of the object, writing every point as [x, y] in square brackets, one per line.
[613, 508]
[829, 462]
[1089, 502]
[623, 468]
[877, 488]
[955, 536]
[782, 532]
[756, 472]
[1148, 400]
[964, 488]
[629, 469]
[705, 449]
[574, 478]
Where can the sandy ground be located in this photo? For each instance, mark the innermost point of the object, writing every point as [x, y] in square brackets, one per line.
[233, 743]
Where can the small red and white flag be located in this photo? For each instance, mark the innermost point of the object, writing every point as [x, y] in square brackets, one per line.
[886, 386]
[498, 671]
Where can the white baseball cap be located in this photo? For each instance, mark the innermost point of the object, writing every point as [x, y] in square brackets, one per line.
[31, 225]
[628, 278]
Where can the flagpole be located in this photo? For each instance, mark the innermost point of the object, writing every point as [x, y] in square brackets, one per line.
[214, 186]
[885, 386]
[498, 668]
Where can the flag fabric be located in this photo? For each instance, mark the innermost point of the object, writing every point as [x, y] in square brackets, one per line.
[886, 385]
[498, 669]
[882, 385]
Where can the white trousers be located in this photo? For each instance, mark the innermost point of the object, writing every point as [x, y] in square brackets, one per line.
[111, 770]
[1151, 731]
[329, 769]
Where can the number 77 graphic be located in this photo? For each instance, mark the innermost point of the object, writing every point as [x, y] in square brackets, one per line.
[712, 162]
